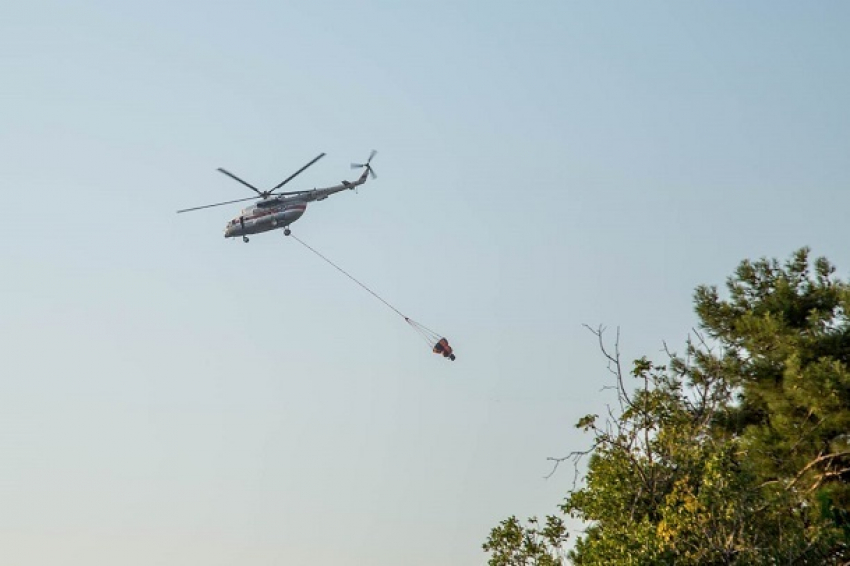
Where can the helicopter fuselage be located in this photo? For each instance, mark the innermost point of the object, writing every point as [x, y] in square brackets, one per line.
[280, 212]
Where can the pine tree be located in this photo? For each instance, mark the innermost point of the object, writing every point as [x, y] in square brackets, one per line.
[737, 452]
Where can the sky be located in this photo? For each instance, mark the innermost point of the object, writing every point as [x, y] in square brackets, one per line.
[171, 397]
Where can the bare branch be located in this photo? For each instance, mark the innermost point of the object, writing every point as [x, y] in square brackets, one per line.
[815, 462]
[576, 456]
[614, 363]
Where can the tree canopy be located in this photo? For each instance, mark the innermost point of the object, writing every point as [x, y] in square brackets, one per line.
[735, 452]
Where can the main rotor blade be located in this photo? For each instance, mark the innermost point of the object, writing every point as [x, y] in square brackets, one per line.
[235, 178]
[371, 155]
[216, 204]
[285, 181]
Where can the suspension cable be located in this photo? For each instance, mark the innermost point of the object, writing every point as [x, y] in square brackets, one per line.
[426, 333]
[341, 270]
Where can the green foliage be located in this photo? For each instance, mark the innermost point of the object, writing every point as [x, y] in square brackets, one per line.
[736, 453]
[511, 544]
[790, 333]
[661, 486]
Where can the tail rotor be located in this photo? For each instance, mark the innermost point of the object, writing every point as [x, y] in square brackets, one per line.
[367, 165]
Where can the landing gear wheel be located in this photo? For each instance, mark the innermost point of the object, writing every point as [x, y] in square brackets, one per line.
[287, 232]
[245, 239]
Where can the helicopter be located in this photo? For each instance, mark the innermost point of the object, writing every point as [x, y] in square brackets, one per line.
[275, 210]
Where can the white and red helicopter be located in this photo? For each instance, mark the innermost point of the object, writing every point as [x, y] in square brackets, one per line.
[279, 210]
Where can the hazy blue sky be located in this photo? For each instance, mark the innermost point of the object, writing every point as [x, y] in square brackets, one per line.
[171, 397]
